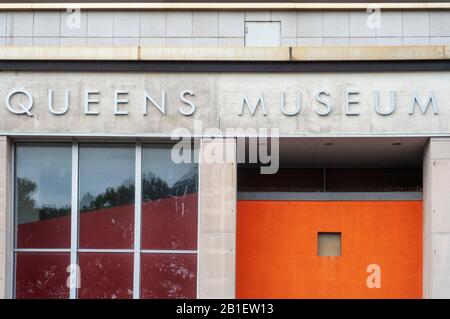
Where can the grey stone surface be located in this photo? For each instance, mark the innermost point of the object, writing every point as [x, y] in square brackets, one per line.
[153, 24]
[360, 26]
[126, 24]
[416, 24]
[73, 41]
[154, 42]
[126, 41]
[179, 42]
[205, 24]
[336, 24]
[310, 42]
[231, 42]
[231, 24]
[206, 28]
[100, 24]
[440, 23]
[288, 42]
[336, 42]
[99, 41]
[205, 42]
[47, 41]
[416, 41]
[440, 273]
[310, 24]
[436, 219]
[217, 228]
[5, 218]
[179, 24]
[19, 24]
[439, 40]
[2, 24]
[257, 16]
[386, 41]
[218, 97]
[19, 41]
[47, 24]
[362, 42]
[390, 24]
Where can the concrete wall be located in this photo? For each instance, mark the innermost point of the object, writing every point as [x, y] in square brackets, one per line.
[221, 28]
[5, 209]
[436, 223]
[217, 228]
[218, 97]
[436, 219]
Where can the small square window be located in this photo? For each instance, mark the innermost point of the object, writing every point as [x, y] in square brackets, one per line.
[329, 244]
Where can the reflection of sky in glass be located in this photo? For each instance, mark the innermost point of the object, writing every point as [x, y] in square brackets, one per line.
[158, 162]
[50, 168]
[102, 167]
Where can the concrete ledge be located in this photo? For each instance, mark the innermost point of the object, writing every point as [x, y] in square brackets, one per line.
[136, 53]
[371, 53]
[225, 6]
[215, 54]
[68, 53]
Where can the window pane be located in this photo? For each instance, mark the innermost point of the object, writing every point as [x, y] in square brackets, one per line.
[42, 275]
[169, 201]
[43, 196]
[106, 276]
[106, 196]
[168, 276]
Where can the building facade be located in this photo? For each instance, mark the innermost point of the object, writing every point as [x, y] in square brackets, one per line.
[224, 150]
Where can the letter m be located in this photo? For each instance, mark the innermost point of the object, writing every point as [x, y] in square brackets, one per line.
[253, 108]
[415, 100]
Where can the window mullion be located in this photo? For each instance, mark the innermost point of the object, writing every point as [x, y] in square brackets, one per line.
[74, 269]
[137, 221]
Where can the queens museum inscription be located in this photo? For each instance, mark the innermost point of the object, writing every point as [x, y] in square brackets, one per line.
[157, 103]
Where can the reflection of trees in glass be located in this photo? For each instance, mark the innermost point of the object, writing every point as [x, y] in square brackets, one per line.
[154, 187]
[25, 190]
[27, 206]
[111, 197]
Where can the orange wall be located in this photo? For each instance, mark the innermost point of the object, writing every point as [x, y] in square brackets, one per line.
[277, 249]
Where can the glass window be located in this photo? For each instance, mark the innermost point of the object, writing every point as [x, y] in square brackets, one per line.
[168, 276]
[106, 196]
[106, 276]
[103, 239]
[42, 275]
[169, 201]
[43, 196]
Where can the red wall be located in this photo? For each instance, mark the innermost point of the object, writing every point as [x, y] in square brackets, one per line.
[277, 249]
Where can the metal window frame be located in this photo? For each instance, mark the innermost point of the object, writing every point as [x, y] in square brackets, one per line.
[74, 218]
[74, 249]
[137, 221]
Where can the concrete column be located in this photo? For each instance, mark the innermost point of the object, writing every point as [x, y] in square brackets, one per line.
[217, 222]
[436, 219]
[5, 210]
